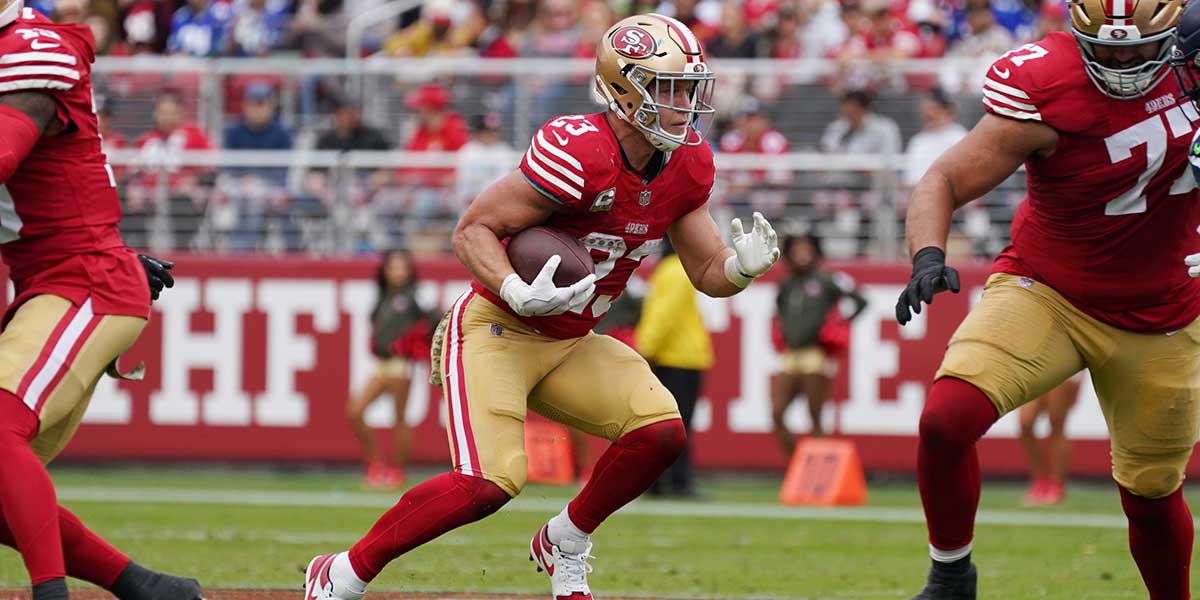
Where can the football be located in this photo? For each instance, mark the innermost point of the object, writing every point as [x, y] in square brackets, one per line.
[529, 250]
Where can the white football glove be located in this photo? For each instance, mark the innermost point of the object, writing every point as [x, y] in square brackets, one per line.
[1193, 262]
[542, 297]
[755, 251]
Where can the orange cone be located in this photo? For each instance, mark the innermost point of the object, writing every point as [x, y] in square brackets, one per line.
[824, 472]
[548, 446]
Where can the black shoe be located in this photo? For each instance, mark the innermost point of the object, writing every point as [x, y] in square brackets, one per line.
[950, 581]
[139, 583]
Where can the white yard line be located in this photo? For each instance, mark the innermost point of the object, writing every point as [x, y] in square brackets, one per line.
[728, 510]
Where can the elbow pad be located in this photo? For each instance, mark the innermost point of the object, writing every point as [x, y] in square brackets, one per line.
[18, 135]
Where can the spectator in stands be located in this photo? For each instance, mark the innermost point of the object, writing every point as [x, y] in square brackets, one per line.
[886, 38]
[555, 31]
[809, 332]
[254, 200]
[939, 131]
[1053, 18]
[172, 134]
[858, 130]
[984, 41]
[483, 160]
[349, 132]
[258, 27]
[445, 28]
[401, 333]
[319, 28]
[1019, 17]
[110, 138]
[98, 15]
[672, 336]
[198, 28]
[736, 39]
[185, 193]
[259, 127]
[752, 133]
[594, 20]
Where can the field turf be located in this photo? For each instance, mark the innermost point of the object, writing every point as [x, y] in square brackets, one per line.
[255, 530]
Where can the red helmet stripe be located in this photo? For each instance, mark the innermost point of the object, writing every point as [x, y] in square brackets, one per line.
[686, 39]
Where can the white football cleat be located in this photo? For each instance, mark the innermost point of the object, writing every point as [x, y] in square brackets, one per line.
[319, 586]
[565, 563]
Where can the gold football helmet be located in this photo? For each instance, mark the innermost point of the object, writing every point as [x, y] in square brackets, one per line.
[10, 10]
[648, 64]
[1125, 43]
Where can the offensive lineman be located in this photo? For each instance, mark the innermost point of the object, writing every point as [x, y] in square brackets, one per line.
[81, 300]
[619, 181]
[1093, 278]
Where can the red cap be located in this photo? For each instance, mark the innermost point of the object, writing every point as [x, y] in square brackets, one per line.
[431, 96]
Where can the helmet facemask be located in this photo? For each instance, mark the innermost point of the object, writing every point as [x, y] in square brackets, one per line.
[1128, 82]
[687, 93]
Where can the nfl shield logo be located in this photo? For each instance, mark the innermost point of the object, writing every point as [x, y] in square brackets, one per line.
[644, 199]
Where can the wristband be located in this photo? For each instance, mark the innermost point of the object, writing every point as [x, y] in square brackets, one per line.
[733, 272]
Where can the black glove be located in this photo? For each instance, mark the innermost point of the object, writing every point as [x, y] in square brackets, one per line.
[930, 275]
[157, 274]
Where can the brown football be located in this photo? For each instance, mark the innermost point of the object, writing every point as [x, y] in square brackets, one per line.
[529, 250]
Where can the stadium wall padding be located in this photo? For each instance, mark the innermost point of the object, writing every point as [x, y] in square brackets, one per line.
[252, 358]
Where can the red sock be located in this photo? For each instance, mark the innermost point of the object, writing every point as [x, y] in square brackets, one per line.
[956, 415]
[87, 555]
[625, 470]
[27, 498]
[441, 504]
[1160, 539]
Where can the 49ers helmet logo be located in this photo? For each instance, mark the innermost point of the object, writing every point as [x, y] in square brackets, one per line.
[633, 42]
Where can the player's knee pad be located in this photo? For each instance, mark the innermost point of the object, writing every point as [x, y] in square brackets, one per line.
[956, 414]
[1152, 479]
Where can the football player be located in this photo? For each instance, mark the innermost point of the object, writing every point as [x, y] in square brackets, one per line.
[1093, 278]
[618, 181]
[81, 299]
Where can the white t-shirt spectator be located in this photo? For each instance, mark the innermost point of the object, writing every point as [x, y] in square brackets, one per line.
[926, 146]
[878, 135]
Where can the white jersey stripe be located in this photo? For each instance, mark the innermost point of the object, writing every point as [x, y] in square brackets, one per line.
[1015, 114]
[1007, 89]
[1009, 101]
[558, 152]
[50, 57]
[563, 186]
[34, 84]
[40, 70]
[58, 356]
[462, 450]
[536, 148]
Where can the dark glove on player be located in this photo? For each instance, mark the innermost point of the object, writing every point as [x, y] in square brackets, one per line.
[930, 275]
[157, 274]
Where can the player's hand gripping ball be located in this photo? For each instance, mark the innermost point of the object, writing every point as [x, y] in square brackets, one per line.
[554, 273]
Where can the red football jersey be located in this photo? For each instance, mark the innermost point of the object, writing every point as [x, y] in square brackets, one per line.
[577, 162]
[59, 212]
[1110, 215]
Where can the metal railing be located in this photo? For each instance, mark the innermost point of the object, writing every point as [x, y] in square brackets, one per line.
[339, 203]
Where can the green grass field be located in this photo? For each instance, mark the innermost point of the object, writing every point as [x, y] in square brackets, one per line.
[256, 529]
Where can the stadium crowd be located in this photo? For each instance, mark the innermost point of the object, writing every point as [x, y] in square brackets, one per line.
[857, 105]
